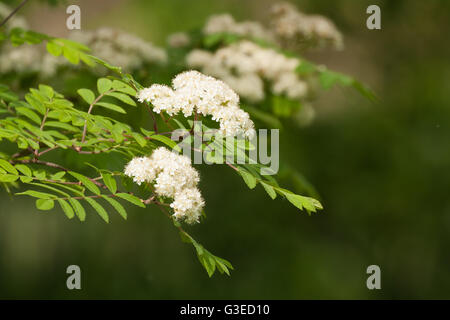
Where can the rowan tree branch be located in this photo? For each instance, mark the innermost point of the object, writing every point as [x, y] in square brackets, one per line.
[13, 13]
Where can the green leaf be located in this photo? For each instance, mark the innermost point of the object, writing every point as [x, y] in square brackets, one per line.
[167, 141]
[130, 198]
[123, 87]
[35, 103]
[122, 97]
[249, 179]
[329, 78]
[61, 125]
[87, 60]
[87, 95]
[4, 177]
[47, 91]
[139, 139]
[26, 179]
[86, 182]
[214, 39]
[66, 208]
[302, 202]
[102, 213]
[111, 106]
[222, 267]
[305, 68]
[269, 189]
[58, 175]
[8, 96]
[79, 210]
[72, 55]
[103, 85]
[24, 169]
[110, 182]
[8, 167]
[29, 114]
[208, 263]
[106, 64]
[45, 204]
[365, 91]
[120, 209]
[73, 44]
[54, 48]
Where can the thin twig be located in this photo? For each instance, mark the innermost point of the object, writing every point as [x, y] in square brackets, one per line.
[44, 119]
[13, 13]
[47, 150]
[91, 106]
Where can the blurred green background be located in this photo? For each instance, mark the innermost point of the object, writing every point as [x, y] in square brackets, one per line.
[382, 171]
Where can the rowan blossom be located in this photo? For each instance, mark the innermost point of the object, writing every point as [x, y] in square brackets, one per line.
[178, 40]
[120, 48]
[172, 176]
[194, 92]
[292, 25]
[225, 23]
[245, 66]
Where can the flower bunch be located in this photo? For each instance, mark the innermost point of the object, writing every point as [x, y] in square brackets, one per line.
[245, 66]
[120, 48]
[291, 25]
[26, 58]
[194, 92]
[178, 40]
[173, 177]
[225, 23]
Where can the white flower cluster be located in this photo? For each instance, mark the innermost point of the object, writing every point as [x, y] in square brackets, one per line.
[226, 23]
[290, 24]
[25, 58]
[178, 40]
[120, 48]
[194, 92]
[173, 177]
[245, 66]
[29, 59]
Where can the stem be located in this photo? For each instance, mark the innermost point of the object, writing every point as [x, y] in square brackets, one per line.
[47, 150]
[21, 153]
[155, 124]
[91, 106]
[149, 200]
[166, 121]
[45, 163]
[193, 123]
[36, 152]
[44, 119]
[13, 12]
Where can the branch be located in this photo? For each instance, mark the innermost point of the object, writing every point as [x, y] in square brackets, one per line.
[44, 119]
[13, 13]
[90, 110]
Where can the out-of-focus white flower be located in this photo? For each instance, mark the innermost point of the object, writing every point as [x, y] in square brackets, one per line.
[179, 40]
[292, 25]
[173, 177]
[194, 92]
[226, 23]
[19, 58]
[25, 58]
[305, 116]
[244, 66]
[120, 48]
